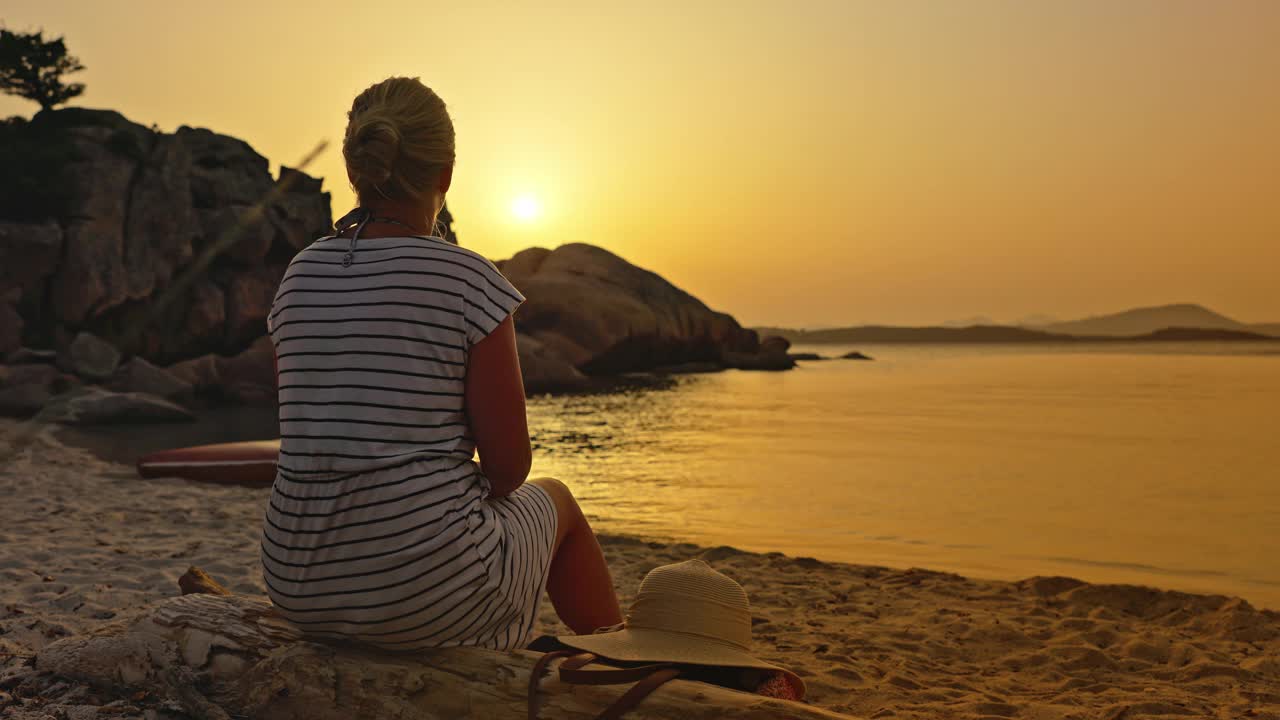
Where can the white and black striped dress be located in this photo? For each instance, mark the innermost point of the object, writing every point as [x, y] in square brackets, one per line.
[379, 528]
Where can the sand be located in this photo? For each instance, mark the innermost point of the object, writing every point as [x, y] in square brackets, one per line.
[84, 541]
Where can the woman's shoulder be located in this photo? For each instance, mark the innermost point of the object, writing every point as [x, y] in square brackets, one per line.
[328, 243]
[468, 259]
[462, 253]
[433, 247]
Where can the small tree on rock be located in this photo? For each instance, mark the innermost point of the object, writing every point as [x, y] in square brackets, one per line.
[32, 68]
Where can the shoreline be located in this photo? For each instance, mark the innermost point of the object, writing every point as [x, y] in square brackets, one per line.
[122, 444]
[85, 542]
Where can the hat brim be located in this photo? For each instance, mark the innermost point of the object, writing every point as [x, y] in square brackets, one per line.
[646, 645]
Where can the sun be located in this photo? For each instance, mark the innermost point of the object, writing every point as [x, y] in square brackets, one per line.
[526, 208]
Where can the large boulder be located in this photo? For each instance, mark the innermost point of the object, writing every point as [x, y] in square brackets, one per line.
[248, 378]
[36, 374]
[524, 263]
[90, 357]
[606, 316]
[200, 373]
[774, 344]
[544, 369]
[25, 389]
[126, 249]
[770, 355]
[140, 376]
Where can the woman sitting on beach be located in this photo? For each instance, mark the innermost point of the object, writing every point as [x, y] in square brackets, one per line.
[397, 361]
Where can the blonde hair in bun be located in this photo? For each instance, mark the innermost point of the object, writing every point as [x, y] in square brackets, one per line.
[399, 137]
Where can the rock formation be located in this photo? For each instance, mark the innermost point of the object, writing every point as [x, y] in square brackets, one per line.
[246, 379]
[147, 262]
[140, 376]
[27, 387]
[89, 357]
[591, 313]
[133, 209]
[105, 239]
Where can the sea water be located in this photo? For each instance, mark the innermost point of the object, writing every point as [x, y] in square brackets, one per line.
[1151, 464]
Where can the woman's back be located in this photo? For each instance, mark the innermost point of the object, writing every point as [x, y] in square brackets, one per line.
[377, 528]
[372, 354]
[397, 363]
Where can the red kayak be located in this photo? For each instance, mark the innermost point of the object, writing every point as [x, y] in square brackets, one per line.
[238, 463]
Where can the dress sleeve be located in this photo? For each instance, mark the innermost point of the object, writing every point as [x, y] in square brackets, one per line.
[490, 299]
[277, 305]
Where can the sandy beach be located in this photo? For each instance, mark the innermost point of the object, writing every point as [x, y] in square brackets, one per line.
[83, 541]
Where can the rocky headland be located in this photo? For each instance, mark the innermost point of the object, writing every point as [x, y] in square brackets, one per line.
[137, 268]
[589, 315]
[106, 269]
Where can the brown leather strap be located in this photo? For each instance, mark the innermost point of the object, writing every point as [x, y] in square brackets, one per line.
[571, 674]
[638, 692]
[647, 678]
[577, 661]
[539, 667]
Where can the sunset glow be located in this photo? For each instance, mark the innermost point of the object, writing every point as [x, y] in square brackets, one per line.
[526, 208]
[813, 164]
[832, 359]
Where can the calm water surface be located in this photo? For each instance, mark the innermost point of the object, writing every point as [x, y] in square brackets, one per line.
[1147, 464]
[1156, 465]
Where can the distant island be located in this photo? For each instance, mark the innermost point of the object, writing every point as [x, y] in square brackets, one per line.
[1142, 321]
[1166, 323]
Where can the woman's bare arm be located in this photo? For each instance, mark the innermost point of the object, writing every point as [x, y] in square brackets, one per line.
[495, 409]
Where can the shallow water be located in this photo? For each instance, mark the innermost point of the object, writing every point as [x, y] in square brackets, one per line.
[1153, 464]
[1144, 464]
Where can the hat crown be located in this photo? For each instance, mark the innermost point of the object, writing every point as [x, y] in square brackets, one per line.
[693, 598]
[684, 613]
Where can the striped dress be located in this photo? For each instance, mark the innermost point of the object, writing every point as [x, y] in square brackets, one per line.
[380, 529]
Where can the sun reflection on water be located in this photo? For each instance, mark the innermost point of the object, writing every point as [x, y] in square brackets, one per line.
[992, 462]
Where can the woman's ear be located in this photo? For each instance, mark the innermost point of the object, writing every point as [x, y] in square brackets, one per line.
[446, 179]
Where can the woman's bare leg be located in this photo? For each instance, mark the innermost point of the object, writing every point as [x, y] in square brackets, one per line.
[579, 584]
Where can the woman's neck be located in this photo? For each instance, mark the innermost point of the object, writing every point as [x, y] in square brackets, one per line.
[406, 216]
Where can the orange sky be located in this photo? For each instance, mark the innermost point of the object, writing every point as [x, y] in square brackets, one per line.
[799, 163]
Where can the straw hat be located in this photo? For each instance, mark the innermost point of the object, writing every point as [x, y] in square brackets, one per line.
[684, 613]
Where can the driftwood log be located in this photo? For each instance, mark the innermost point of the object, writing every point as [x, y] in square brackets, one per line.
[223, 656]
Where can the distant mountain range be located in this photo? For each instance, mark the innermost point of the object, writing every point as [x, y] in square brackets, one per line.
[1149, 319]
[1166, 323]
